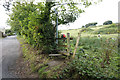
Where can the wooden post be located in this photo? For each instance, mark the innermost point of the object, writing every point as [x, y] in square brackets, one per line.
[68, 43]
[77, 42]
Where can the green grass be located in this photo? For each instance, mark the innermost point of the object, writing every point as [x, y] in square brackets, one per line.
[111, 29]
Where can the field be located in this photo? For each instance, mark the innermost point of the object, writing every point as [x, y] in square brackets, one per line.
[95, 57]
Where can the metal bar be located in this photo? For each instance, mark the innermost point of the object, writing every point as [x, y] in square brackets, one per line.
[57, 27]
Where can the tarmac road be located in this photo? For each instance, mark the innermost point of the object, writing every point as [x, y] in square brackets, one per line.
[9, 49]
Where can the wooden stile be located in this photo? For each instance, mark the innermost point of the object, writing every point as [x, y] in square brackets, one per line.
[62, 45]
[77, 42]
[57, 38]
[63, 38]
[64, 53]
[55, 55]
[67, 53]
[68, 43]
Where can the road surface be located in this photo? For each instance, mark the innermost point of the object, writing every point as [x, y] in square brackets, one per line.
[9, 49]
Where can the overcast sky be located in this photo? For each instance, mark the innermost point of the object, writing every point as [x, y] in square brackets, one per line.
[3, 16]
[105, 10]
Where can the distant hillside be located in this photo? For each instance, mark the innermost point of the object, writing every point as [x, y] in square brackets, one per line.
[102, 29]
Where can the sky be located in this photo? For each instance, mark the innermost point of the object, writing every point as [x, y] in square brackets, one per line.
[3, 16]
[101, 12]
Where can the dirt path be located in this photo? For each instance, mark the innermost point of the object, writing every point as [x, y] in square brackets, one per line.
[10, 52]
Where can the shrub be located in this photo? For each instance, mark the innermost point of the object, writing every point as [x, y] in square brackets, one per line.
[83, 26]
[34, 25]
[91, 24]
[8, 31]
[107, 22]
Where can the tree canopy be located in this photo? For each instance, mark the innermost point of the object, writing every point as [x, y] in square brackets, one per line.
[36, 22]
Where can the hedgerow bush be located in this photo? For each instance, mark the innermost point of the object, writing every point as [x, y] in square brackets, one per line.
[32, 22]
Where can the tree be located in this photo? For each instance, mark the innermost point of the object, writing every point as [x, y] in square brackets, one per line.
[91, 24]
[36, 22]
[107, 22]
